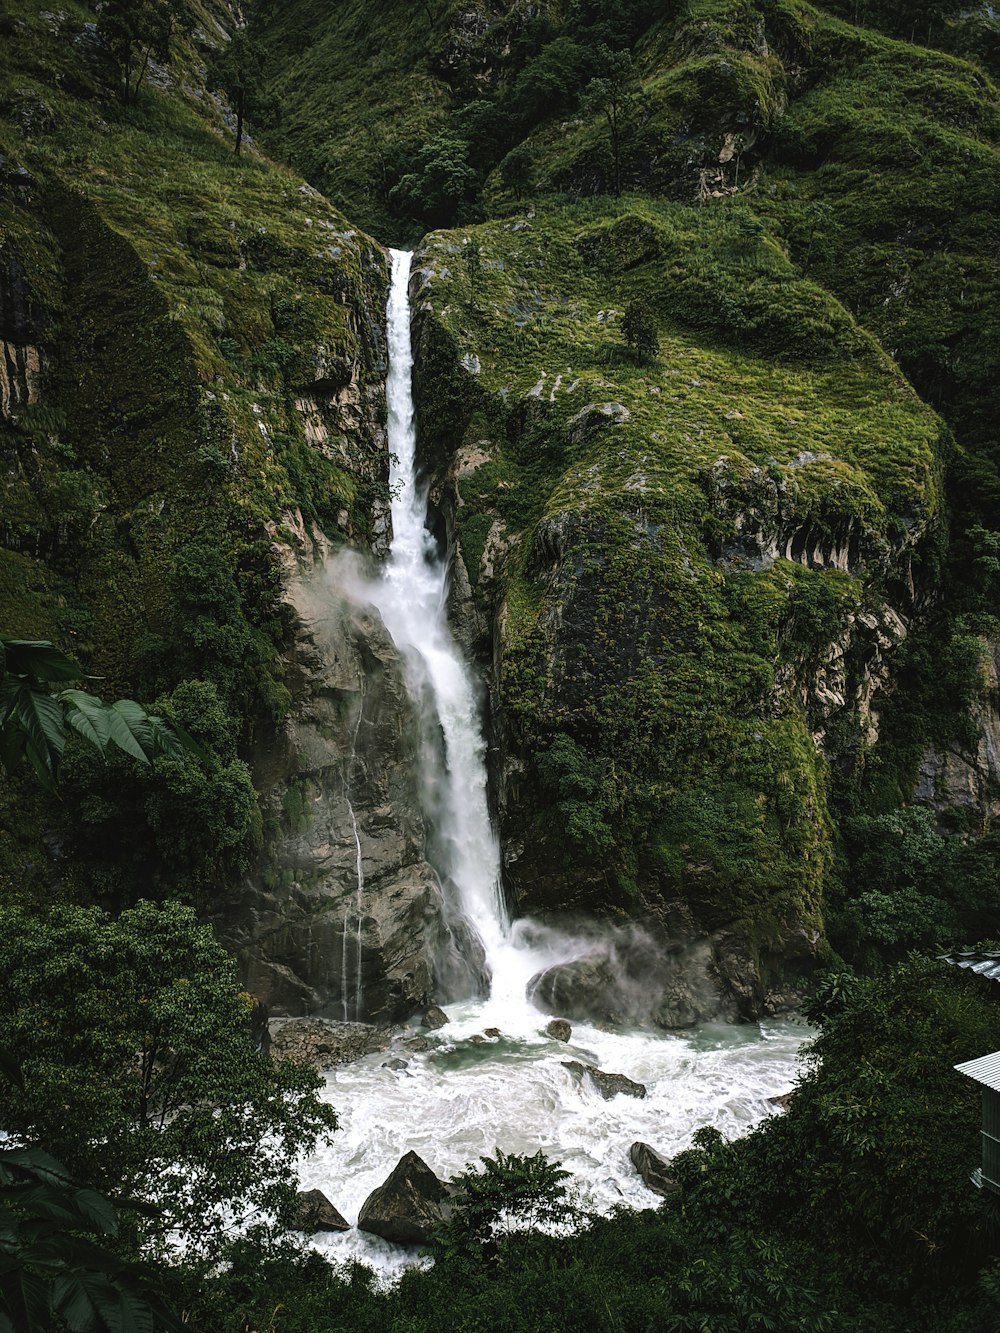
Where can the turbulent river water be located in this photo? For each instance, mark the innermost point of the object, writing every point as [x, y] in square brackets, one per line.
[462, 1098]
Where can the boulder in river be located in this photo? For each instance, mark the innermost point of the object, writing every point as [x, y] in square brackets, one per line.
[408, 1205]
[314, 1212]
[654, 1169]
[782, 1101]
[559, 1030]
[434, 1018]
[324, 1042]
[608, 1085]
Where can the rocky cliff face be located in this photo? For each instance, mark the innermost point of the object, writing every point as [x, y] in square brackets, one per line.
[346, 917]
[686, 596]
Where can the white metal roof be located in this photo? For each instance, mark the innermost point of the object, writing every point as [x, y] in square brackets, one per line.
[985, 1070]
[983, 964]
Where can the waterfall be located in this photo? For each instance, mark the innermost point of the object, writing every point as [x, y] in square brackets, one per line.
[412, 597]
[467, 1094]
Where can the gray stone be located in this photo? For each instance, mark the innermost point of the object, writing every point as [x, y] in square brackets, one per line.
[314, 1212]
[608, 1085]
[408, 1206]
[417, 1044]
[782, 1101]
[558, 1029]
[395, 1064]
[654, 1169]
[492, 1032]
[325, 1043]
[434, 1018]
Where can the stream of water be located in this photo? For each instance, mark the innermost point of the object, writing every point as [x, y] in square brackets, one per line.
[469, 1093]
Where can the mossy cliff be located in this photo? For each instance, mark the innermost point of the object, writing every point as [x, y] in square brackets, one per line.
[193, 424]
[693, 569]
[729, 599]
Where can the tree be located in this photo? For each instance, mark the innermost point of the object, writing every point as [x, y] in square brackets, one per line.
[517, 170]
[613, 94]
[134, 32]
[139, 1072]
[440, 184]
[510, 1196]
[639, 330]
[55, 1260]
[34, 722]
[237, 70]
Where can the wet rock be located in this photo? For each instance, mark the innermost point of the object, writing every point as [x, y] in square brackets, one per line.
[325, 1043]
[434, 1018]
[559, 1029]
[585, 989]
[654, 1169]
[395, 1063]
[608, 1085]
[478, 1039]
[408, 1205]
[492, 1032]
[783, 1100]
[417, 1044]
[314, 1212]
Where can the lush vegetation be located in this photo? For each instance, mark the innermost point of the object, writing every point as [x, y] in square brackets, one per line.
[707, 375]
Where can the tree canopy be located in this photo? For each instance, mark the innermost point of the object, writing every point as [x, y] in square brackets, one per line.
[139, 1072]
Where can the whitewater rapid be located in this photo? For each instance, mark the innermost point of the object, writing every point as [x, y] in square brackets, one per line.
[468, 1094]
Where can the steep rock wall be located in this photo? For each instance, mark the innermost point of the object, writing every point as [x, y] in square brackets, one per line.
[685, 585]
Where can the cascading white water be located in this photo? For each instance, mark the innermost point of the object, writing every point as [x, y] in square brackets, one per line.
[412, 601]
[468, 1095]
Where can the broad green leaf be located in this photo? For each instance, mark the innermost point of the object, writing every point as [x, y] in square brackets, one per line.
[35, 1163]
[42, 721]
[121, 733]
[97, 1211]
[26, 1296]
[88, 716]
[38, 659]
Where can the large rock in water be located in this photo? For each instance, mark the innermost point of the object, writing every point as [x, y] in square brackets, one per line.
[314, 1212]
[608, 1085]
[634, 977]
[408, 1206]
[654, 1169]
[324, 1043]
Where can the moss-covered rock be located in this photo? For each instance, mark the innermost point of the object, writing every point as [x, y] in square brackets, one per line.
[676, 552]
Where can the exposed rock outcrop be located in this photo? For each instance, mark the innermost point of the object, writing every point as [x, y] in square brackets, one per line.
[347, 917]
[407, 1207]
[608, 1085]
[654, 1169]
[316, 1213]
[324, 1043]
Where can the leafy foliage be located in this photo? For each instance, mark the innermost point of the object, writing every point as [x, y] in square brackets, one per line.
[237, 69]
[494, 1206]
[134, 32]
[139, 1072]
[55, 1260]
[34, 722]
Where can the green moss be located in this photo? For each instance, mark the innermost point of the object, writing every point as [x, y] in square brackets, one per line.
[654, 657]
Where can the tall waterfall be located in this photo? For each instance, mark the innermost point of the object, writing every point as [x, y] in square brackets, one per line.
[463, 1094]
[412, 599]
